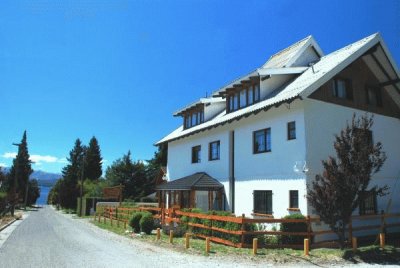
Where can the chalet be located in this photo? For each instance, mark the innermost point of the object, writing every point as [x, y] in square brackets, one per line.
[257, 142]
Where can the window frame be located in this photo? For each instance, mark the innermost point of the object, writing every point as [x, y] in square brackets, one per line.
[268, 195]
[292, 198]
[266, 132]
[196, 154]
[289, 137]
[348, 88]
[210, 154]
[363, 210]
[377, 96]
[239, 97]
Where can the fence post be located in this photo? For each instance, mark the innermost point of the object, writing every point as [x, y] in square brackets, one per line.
[187, 240]
[111, 216]
[207, 245]
[171, 236]
[308, 228]
[158, 234]
[354, 243]
[382, 240]
[255, 245]
[306, 247]
[351, 230]
[243, 230]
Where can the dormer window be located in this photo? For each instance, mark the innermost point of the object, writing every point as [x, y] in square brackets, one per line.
[193, 118]
[243, 97]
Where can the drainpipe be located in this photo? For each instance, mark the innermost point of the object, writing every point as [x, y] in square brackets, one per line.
[232, 170]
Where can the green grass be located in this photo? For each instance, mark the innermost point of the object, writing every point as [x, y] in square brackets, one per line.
[365, 254]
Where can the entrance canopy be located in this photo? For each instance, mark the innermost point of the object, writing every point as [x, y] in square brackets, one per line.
[200, 181]
[197, 190]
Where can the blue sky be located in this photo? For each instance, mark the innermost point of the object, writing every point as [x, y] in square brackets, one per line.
[118, 69]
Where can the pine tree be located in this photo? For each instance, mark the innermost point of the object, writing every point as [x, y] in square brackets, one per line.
[69, 188]
[93, 161]
[337, 192]
[21, 170]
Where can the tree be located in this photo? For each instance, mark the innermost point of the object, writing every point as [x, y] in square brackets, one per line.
[153, 168]
[93, 161]
[130, 174]
[69, 190]
[20, 172]
[33, 192]
[337, 192]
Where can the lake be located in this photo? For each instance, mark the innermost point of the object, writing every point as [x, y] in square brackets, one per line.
[44, 192]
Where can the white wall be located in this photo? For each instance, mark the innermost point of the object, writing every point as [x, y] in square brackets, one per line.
[320, 129]
[271, 84]
[266, 171]
[214, 108]
[308, 56]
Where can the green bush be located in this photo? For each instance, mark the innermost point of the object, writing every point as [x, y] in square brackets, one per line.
[146, 222]
[298, 227]
[135, 221]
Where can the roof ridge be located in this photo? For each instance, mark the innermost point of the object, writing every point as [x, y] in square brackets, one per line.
[202, 175]
[289, 47]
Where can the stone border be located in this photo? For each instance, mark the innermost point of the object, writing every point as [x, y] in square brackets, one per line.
[8, 224]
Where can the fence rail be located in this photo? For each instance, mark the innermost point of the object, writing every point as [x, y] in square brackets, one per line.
[208, 225]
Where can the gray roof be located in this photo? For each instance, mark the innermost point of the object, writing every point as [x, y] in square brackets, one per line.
[197, 181]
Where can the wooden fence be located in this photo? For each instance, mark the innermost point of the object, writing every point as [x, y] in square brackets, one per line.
[242, 231]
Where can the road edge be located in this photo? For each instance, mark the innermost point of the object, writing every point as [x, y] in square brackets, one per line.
[8, 224]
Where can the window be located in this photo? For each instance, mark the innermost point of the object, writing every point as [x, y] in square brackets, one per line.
[291, 130]
[250, 94]
[196, 154]
[213, 151]
[262, 141]
[374, 96]
[256, 93]
[235, 102]
[368, 203]
[342, 89]
[262, 202]
[243, 97]
[193, 118]
[365, 135]
[293, 199]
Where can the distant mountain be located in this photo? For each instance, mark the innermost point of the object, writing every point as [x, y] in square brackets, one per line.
[44, 178]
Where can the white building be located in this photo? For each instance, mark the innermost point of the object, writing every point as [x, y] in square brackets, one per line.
[263, 136]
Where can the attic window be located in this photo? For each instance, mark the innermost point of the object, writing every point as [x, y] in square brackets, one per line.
[374, 96]
[243, 97]
[193, 118]
[342, 89]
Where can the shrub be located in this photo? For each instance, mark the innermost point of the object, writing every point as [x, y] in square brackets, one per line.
[146, 222]
[135, 221]
[298, 227]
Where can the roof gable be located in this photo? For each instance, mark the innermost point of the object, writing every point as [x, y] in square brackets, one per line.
[301, 87]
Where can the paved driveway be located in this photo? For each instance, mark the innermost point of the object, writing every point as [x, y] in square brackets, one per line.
[49, 239]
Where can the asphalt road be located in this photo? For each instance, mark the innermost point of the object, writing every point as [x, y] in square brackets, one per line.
[49, 239]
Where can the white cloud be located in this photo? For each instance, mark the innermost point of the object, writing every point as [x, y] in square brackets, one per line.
[43, 158]
[3, 165]
[37, 159]
[62, 160]
[37, 164]
[9, 155]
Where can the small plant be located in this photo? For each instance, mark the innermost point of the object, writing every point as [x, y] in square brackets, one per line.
[146, 223]
[296, 227]
[135, 221]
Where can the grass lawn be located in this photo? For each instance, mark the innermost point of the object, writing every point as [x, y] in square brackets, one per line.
[365, 254]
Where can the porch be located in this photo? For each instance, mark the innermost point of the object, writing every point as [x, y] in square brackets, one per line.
[198, 190]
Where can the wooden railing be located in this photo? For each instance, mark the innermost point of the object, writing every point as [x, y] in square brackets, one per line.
[241, 234]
